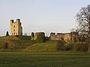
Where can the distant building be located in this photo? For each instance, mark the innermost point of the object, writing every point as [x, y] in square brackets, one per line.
[15, 27]
[73, 36]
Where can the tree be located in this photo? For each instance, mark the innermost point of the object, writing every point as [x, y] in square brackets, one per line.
[32, 36]
[83, 19]
[7, 34]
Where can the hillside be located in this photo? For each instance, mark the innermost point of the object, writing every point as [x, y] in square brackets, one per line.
[15, 42]
[24, 43]
[47, 46]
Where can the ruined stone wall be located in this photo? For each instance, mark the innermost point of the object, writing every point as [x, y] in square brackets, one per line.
[38, 36]
[65, 36]
[58, 36]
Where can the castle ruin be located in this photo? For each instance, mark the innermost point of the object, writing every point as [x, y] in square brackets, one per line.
[15, 27]
[16, 30]
[73, 36]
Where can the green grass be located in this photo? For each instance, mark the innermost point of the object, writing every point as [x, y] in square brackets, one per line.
[23, 43]
[14, 42]
[44, 59]
[46, 46]
[22, 52]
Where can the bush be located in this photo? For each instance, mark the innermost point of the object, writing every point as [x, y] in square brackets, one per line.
[69, 46]
[81, 46]
[5, 46]
[60, 45]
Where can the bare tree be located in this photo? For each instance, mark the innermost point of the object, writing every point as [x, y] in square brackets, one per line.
[83, 19]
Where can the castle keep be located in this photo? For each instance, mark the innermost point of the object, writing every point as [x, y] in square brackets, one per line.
[15, 27]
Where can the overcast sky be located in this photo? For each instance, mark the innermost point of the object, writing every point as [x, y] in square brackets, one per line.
[40, 15]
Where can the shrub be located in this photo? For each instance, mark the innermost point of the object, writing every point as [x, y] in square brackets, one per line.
[60, 45]
[5, 46]
[81, 46]
[69, 46]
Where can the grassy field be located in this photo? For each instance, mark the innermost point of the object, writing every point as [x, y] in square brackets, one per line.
[44, 59]
[22, 52]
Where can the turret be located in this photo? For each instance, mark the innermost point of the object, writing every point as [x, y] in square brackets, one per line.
[11, 21]
[17, 20]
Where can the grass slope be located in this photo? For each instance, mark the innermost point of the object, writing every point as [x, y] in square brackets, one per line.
[47, 46]
[16, 42]
[24, 43]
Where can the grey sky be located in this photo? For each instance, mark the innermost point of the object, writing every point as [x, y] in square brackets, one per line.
[40, 15]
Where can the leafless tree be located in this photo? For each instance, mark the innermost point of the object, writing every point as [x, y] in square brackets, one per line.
[83, 19]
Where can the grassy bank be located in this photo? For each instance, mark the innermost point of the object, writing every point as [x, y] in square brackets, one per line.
[24, 43]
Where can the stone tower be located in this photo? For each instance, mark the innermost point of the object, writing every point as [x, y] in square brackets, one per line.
[15, 27]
